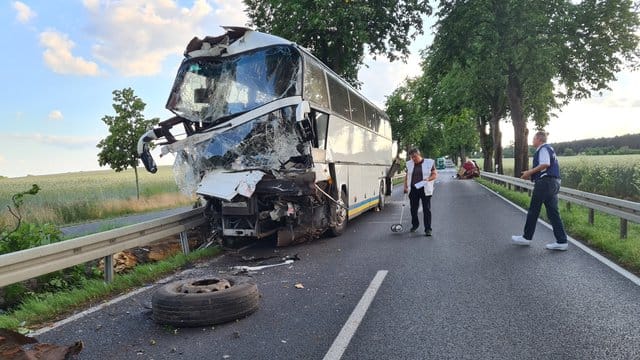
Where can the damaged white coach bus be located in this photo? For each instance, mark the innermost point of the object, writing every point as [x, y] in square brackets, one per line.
[272, 140]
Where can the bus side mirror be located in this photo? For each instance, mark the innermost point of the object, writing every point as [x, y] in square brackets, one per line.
[303, 124]
[143, 150]
[147, 160]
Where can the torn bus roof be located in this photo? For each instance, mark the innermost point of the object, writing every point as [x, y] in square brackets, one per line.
[235, 40]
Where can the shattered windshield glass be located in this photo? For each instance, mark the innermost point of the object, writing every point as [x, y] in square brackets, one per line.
[209, 89]
[264, 143]
[267, 143]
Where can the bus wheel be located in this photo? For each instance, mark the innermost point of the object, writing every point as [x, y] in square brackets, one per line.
[205, 301]
[381, 197]
[341, 217]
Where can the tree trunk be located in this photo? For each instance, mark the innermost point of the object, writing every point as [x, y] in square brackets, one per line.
[496, 135]
[520, 132]
[486, 144]
[135, 170]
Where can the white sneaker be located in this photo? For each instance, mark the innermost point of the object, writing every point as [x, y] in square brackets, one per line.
[557, 246]
[520, 240]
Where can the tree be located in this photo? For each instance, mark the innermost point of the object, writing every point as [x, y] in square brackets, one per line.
[458, 89]
[550, 51]
[407, 126]
[460, 134]
[119, 148]
[339, 32]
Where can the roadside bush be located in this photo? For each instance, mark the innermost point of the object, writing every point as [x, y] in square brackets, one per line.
[29, 235]
[24, 235]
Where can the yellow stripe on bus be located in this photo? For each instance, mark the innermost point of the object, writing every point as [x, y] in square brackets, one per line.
[362, 208]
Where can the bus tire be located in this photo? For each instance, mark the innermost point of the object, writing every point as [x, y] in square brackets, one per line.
[192, 302]
[342, 217]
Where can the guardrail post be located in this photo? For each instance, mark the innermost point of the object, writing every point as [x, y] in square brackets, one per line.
[568, 206]
[623, 228]
[108, 268]
[591, 216]
[184, 242]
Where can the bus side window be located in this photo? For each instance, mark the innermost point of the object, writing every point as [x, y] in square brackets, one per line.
[320, 123]
[357, 109]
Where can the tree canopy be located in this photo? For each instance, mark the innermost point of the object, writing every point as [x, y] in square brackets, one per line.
[545, 52]
[339, 33]
[119, 148]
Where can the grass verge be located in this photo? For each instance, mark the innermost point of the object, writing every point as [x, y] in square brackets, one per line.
[603, 236]
[43, 308]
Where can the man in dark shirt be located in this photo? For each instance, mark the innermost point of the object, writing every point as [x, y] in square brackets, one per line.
[419, 178]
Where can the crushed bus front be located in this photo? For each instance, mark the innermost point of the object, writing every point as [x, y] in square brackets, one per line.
[245, 147]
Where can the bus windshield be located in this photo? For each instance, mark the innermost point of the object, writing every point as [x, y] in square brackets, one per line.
[213, 89]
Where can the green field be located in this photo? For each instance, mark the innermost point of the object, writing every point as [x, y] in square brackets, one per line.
[72, 197]
[611, 175]
[579, 160]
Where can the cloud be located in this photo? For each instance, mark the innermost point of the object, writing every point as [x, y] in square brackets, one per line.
[56, 115]
[24, 12]
[58, 56]
[2, 160]
[91, 5]
[136, 36]
[228, 13]
[623, 93]
[69, 142]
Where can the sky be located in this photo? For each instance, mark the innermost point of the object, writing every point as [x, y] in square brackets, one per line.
[63, 59]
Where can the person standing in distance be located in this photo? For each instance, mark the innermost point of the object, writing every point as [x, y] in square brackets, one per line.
[545, 175]
[418, 182]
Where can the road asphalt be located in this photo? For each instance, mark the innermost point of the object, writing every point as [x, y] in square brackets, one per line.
[102, 225]
[464, 293]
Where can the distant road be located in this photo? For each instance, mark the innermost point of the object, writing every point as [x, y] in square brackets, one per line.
[103, 225]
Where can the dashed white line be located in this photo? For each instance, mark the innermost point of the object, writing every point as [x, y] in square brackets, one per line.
[348, 330]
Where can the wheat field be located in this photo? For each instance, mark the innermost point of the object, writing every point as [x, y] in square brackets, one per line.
[75, 197]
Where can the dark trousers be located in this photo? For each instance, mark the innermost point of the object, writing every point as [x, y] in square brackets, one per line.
[545, 191]
[415, 196]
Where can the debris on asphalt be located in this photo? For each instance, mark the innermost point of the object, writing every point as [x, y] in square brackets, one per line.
[11, 348]
[258, 268]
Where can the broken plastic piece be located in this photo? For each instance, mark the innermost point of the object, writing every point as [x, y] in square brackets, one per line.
[257, 268]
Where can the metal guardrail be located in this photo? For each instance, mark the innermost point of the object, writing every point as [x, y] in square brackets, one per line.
[26, 264]
[625, 210]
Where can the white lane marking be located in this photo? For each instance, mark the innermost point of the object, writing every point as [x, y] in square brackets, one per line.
[344, 337]
[94, 309]
[615, 267]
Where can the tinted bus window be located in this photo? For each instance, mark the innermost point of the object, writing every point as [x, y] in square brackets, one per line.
[339, 97]
[315, 85]
[357, 109]
[373, 118]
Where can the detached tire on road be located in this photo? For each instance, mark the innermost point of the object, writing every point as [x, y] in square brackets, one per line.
[197, 302]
